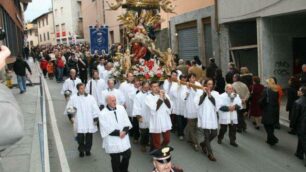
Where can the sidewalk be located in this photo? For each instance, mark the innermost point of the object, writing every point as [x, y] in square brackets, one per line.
[24, 156]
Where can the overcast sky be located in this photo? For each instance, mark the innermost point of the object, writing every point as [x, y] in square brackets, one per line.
[36, 8]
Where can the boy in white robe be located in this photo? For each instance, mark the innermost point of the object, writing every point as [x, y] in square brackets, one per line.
[70, 84]
[191, 112]
[129, 90]
[230, 103]
[85, 119]
[114, 128]
[141, 112]
[208, 105]
[160, 109]
[95, 86]
[181, 121]
[111, 90]
[101, 67]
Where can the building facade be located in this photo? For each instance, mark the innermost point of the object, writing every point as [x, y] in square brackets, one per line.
[11, 20]
[31, 35]
[68, 21]
[269, 33]
[45, 27]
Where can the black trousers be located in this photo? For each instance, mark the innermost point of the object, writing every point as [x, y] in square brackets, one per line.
[209, 135]
[241, 120]
[120, 161]
[231, 134]
[181, 124]
[84, 141]
[271, 139]
[134, 132]
[300, 150]
[144, 137]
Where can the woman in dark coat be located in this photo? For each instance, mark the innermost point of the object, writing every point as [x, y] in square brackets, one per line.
[220, 81]
[82, 66]
[292, 96]
[299, 122]
[270, 105]
[255, 109]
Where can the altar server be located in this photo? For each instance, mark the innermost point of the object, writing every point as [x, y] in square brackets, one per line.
[208, 104]
[160, 109]
[114, 128]
[111, 90]
[69, 86]
[95, 86]
[85, 119]
[230, 103]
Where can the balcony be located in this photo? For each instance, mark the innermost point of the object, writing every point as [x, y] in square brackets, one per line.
[63, 33]
[58, 34]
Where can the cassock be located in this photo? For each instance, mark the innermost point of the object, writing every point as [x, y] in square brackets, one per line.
[117, 93]
[228, 117]
[70, 84]
[159, 115]
[112, 121]
[207, 110]
[191, 106]
[86, 111]
[171, 88]
[140, 108]
[94, 87]
[128, 90]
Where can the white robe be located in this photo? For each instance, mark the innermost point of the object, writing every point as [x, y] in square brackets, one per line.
[228, 117]
[86, 110]
[70, 84]
[207, 111]
[172, 90]
[159, 119]
[105, 75]
[97, 86]
[128, 90]
[117, 93]
[101, 69]
[108, 123]
[191, 106]
[140, 108]
[181, 103]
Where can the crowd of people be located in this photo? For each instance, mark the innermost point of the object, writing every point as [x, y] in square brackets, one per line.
[148, 111]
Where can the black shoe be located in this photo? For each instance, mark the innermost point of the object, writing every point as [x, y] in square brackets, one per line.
[301, 157]
[234, 144]
[257, 128]
[277, 127]
[203, 146]
[81, 154]
[219, 141]
[292, 132]
[239, 130]
[21, 92]
[254, 123]
[88, 153]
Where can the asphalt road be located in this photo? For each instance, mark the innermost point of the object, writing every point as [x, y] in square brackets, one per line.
[252, 155]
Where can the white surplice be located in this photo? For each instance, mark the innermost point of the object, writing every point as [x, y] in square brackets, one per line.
[101, 69]
[229, 117]
[105, 74]
[140, 108]
[117, 93]
[95, 87]
[181, 103]
[207, 111]
[159, 119]
[70, 84]
[191, 106]
[128, 90]
[171, 88]
[86, 110]
[109, 122]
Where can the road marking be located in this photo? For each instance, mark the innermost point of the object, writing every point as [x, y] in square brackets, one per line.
[58, 141]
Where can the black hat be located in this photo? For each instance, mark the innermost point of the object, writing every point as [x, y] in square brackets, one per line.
[162, 155]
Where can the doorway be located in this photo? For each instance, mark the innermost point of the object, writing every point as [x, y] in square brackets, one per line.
[299, 54]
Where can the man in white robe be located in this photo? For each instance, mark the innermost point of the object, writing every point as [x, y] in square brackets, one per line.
[114, 128]
[85, 119]
[230, 103]
[191, 112]
[141, 113]
[107, 72]
[70, 84]
[95, 86]
[111, 90]
[171, 89]
[208, 105]
[181, 121]
[160, 109]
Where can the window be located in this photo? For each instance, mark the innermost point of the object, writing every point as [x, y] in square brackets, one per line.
[30, 32]
[43, 22]
[48, 36]
[57, 28]
[44, 37]
[55, 12]
[112, 37]
[63, 27]
[47, 20]
[62, 10]
[39, 24]
[40, 37]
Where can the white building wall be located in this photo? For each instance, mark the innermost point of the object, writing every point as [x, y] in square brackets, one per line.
[45, 29]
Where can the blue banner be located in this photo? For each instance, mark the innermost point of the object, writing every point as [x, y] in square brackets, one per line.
[98, 39]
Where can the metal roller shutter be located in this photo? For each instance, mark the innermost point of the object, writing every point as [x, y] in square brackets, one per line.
[188, 43]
